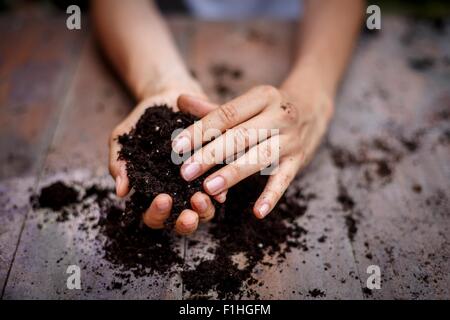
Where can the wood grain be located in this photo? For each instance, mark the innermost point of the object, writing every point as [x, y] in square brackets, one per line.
[37, 58]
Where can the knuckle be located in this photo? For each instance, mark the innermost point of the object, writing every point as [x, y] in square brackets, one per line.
[208, 156]
[241, 137]
[264, 153]
[234, 172]
[272, 194]
[228, 113]
[270, 91]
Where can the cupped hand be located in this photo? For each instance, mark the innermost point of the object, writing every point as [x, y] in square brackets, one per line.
[202, 208]
[294, 123]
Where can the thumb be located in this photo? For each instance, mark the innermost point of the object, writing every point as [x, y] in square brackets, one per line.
[199, 107]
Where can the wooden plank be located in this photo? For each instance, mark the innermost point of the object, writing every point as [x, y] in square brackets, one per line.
[37, 56]
[262, 52]
[402, 222]
[79, 153]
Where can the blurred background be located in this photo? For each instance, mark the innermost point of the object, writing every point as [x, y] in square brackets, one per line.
[430, 9]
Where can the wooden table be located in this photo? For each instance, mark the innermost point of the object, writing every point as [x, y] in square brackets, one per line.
[59, 102]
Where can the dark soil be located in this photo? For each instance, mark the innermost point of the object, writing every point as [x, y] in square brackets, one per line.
[316, 293]
[237, 231]
[422, 63]
[132, 246]
[224, 76]
[56, 196]
[147, 151]
[348, 206]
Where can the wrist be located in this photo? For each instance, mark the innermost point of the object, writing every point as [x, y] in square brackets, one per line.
[175, 81]
[305, 89]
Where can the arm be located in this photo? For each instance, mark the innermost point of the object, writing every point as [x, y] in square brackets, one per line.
[300, 109]
[326, 39]
[138, 43]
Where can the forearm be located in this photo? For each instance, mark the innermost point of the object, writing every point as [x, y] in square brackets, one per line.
[139, 45]
[326, 39]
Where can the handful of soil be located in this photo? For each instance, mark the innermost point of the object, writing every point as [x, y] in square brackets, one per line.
[147, 151]
[235, 231]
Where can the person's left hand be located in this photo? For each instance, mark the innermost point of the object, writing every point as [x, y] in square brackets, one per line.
[301, 119]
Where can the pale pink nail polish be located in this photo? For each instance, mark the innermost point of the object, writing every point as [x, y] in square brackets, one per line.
[190, 171]
[189, 221]
[118, 183]
[215, 185]
[264, 210]
[163, 206]
[202, 205]
[181, 145]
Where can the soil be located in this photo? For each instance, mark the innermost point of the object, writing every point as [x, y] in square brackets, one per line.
[316, 293]
[421, 63]
[132, 247]
[56, 196]
[147, 150]
[238, 232]
[224, 76]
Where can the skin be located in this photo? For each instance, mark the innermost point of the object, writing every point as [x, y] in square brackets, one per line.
[139, 45]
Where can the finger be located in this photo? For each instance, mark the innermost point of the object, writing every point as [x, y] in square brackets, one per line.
[201, 203]
[224, 117]
[256, 159]
[158, 211]
[187, 222]
[117, 168]
[275, 188]
[194, 105]
[228, 146]
[221, 197]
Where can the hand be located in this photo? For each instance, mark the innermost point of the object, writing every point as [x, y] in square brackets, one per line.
[301, 117]
[160, 208]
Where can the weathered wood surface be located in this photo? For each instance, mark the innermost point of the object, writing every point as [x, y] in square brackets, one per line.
[37, 59]
[403, 231]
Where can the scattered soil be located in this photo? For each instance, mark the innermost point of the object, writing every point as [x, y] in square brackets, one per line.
[238, 232]
[348, 206]
[224, 75]
[421, 63]
[134, 247]
[351, 225]
[316, 293]
[128, 244]
[56, 196]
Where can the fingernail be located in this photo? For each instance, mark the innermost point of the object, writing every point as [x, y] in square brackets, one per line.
[118, 182]
[202, 205]
[189, 221]
[264, 210]
[215, 185]
[163, 205]
[181, 145]
[189, 171]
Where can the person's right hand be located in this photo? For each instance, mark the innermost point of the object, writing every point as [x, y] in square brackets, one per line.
[160, 208]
